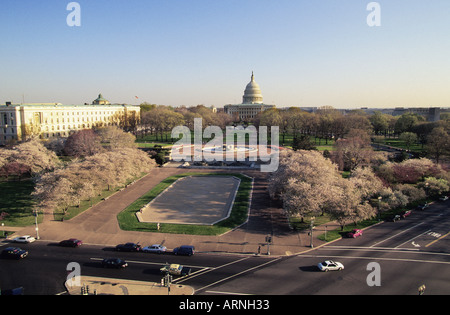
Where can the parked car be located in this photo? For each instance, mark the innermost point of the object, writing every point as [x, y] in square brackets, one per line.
[423, 207]
[175, 270]
[14, 252]
[394, 218]
[355, 233]
[328, 265]
[24, 239]
[186, 250]
[405, 213]
[128, 247]
[443, 198]
[156, 248]
[114, 263]
[72, 242]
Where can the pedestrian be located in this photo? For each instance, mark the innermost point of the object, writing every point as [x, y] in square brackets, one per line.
[158, 226]
[259, 250]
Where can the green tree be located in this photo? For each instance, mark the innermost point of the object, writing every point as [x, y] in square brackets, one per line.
[303, 142]
[406, 122]
[379, 122]
[438, 144]
[409, 138]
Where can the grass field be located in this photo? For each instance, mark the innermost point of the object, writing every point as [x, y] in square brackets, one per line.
[128, 220]
[16, 200]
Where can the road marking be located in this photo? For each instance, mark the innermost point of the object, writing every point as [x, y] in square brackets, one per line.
[396, 234]
[214, 268]
[238, 274]
[413, 239]
[153, 263]
[429, 244]
[363, 248]
[380, 258]
[383, 249]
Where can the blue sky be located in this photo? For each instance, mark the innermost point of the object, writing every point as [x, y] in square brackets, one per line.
[189, 52]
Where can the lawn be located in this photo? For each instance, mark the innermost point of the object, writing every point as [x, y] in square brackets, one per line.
[397, 143]
[16, 200]
[128, 220]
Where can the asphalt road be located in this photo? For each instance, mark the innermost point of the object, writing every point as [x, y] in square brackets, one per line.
[410, 253]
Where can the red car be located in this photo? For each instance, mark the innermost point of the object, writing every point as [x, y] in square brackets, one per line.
[355, 233]
[72, 242]
[405, 213]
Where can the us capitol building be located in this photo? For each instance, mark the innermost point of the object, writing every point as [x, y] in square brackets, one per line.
[252, 103]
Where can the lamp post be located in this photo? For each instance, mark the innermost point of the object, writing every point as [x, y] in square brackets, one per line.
[379, 205]
[311, 226]
[35, 213]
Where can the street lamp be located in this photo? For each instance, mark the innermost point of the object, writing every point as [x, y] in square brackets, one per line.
[311, 226]
[35, 213]
[379, 205]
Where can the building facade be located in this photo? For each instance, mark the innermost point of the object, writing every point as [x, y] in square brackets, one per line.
[252, 103]
[49, 120]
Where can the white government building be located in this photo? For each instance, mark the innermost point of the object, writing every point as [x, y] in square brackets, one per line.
[49, 120]
[252, 103]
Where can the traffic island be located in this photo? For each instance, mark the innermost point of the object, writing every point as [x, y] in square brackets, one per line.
[107, 286]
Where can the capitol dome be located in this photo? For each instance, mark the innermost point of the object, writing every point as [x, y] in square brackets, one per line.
[252, 94]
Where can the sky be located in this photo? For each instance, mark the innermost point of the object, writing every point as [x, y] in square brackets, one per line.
[189, 52]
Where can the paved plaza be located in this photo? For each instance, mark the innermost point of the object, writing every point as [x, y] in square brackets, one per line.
[200, 200]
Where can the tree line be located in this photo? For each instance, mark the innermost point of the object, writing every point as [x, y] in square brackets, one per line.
[327, 124]
[308, 184]
[90, 162]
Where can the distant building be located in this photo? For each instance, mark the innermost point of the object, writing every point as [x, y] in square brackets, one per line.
[49, 120]
[252, 103]
[430, 113]
[100, 101]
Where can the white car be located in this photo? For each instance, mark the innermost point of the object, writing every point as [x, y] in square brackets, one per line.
[330, 265]
[156, 248]
[24, 239]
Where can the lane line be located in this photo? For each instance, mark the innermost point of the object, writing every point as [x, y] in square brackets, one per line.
[370, 248]
[212, 269]
[384, 249]
[379, 258]
[412, 238]
[238, 274]
[154, 263]
[397, 234]
[429, 244]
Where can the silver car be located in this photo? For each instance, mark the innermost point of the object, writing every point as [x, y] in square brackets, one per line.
[330, 265]
[24, 239]
[156, 248]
